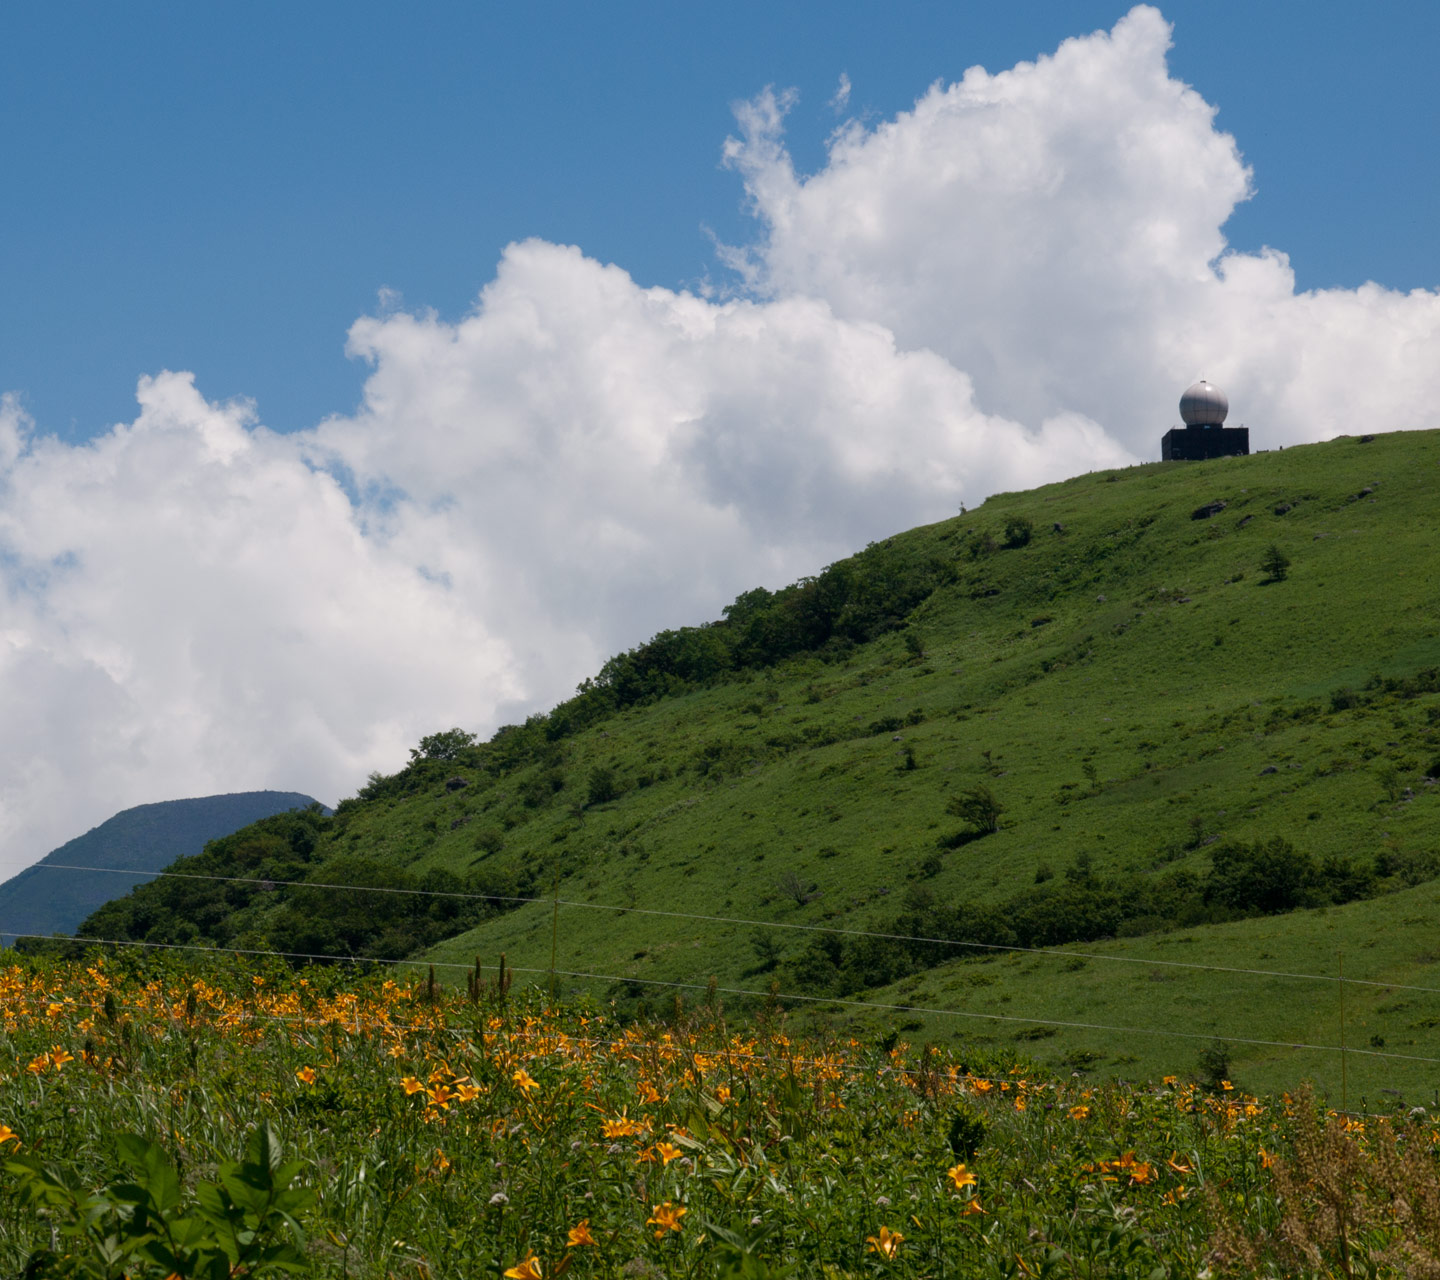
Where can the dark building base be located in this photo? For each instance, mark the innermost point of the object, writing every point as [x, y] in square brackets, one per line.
[1190, 444]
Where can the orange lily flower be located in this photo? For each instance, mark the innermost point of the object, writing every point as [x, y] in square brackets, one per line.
[441, 1096]
[961, 1177]
[667, 1218]
[886, 1244]
[621, 1127]
[529, 1269]
[579, 1234]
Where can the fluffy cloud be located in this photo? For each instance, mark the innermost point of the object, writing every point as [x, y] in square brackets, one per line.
[194, 603]
[1055, 231]
[188, 607]
[952, 305]
[606, 460]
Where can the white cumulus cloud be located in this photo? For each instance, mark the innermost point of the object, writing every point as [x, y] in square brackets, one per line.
[194, 603]
[1007, 284]
[1055, 230]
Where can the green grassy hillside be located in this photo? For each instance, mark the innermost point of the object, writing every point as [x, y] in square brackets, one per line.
[1106, 658]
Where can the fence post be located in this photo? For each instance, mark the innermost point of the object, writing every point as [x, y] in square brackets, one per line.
[1344, 1098]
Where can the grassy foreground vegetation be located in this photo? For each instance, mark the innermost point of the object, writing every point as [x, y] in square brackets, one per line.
[1174, 710]
[161, 1121]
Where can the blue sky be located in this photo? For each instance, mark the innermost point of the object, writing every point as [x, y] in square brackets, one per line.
[224, 188]
[261, 527]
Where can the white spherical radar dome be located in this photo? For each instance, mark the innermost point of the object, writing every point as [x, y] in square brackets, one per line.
[1203, 405]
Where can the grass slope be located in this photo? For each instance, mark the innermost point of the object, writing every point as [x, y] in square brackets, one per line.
[1136, 639]
[1126, 681]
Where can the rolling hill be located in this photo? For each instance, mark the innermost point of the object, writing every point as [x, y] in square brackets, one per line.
[1199, 703]
[146, 839]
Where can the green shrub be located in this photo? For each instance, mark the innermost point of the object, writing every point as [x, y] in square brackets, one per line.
[967, 1131]
[601, 785]
[142, 1224]
[1275, 564]
[1018, 531]
[978, 806]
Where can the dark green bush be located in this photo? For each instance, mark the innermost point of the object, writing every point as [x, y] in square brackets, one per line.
[967, 1131]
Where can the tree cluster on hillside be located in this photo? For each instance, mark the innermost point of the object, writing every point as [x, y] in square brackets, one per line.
[276, 896]
[851, 602]
[1244, 879]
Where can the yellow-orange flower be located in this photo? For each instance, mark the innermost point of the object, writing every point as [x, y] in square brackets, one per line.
[1080, 1112]
[1178, 1165]
[961, 1177]
[1266, 1158]
[524, 1081]
[411, 1085]
[579, 1234]
[667, 1151]
[886, 1244]
[527, 1270]
[621, 1127]
[971, 1207]
[467, 1092]
[441, 1096]
[59, 1057]
[306, 1075]
[7, 1134]
[667, 1218]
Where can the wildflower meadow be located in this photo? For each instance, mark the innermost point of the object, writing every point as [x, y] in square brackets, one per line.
[227, 1120]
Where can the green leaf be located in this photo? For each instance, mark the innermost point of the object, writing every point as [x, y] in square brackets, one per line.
[248, 1192]
[263, 1148]
[162, 1179]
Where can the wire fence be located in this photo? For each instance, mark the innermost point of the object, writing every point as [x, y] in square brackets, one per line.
[1058, 953]
[774, 996]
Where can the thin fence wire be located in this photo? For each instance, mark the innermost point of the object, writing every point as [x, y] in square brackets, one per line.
[776, 997]
[1051, 952]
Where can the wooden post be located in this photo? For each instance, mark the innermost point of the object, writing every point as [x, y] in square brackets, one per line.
[1344, 1098]
[554, 932]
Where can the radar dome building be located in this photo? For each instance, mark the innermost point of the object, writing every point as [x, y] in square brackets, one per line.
[1203, 408]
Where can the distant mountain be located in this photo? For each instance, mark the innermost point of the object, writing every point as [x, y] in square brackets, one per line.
[146, 838]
